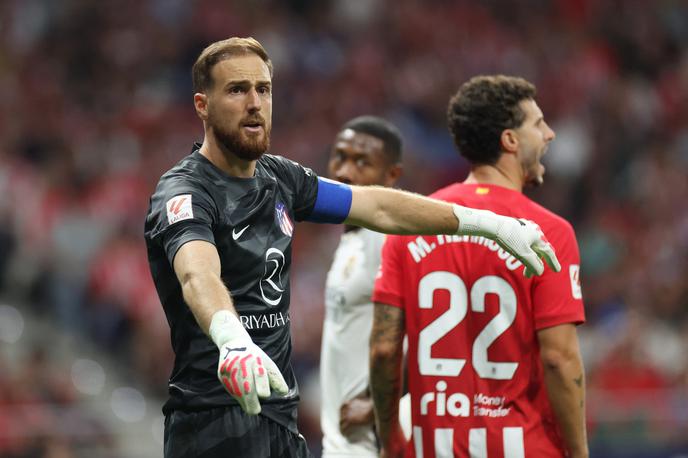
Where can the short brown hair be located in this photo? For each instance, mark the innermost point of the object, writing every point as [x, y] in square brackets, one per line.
[219, 51]
[482, 109]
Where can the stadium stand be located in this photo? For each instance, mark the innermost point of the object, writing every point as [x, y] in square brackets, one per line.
[96, 103]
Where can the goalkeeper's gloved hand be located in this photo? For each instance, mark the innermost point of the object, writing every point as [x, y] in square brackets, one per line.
[246, 372]
[522, 238]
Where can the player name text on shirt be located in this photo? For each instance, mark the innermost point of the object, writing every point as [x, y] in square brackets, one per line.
[420, 248]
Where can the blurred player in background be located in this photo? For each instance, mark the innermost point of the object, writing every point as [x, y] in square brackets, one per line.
[367, 151]
[494, 366]
[218, 233]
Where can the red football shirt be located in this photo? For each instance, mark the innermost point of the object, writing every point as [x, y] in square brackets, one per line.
[474, 369]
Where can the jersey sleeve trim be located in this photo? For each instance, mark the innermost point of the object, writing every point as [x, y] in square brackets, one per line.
[572, 318]
[174, 238]
[382, 297]
[333, 202]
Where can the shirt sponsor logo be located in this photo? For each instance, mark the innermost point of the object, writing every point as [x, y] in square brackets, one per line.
[271, 284]
[441, 403]
[179, 208]
[264, 321]
[489, 406]
[236, 235]
[574, 273]
[456, 404]
[283, 219]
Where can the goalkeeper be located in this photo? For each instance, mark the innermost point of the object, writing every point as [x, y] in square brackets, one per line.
[218, 233]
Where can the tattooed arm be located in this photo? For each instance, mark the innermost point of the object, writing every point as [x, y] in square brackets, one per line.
[386, 348]
[565, 381]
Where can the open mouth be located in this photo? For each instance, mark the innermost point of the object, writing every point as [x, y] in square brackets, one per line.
[255, 126]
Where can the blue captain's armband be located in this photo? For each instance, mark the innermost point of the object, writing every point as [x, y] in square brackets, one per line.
[333, 202]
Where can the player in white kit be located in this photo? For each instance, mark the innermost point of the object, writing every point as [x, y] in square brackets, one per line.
[367, 151]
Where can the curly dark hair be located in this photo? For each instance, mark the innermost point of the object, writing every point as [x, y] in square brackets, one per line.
[481, 110]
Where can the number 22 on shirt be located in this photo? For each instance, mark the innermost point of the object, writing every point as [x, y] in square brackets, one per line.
[452, 367]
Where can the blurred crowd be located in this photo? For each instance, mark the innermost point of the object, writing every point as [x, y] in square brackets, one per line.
[40, 413]
[97, 103]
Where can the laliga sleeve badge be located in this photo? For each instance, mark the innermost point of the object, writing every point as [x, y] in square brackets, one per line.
[574, 273]
[179, 208]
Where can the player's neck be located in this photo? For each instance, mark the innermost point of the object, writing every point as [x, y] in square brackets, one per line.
[495, 175]
[225, 160]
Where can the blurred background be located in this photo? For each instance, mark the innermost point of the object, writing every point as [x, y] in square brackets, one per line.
[96, 103]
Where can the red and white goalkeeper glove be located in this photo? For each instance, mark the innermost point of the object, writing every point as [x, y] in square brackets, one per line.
[522, 238]
[245, 371]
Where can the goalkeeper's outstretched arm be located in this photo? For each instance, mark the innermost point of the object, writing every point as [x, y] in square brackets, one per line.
[399, 212]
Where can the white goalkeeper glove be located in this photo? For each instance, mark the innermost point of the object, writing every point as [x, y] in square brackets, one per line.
[522, 238]
[245, 371]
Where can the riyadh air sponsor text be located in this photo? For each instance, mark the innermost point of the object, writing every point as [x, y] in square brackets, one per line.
[264, 321]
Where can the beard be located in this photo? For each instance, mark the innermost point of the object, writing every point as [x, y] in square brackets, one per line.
[535, 181]
[245, 147]
[534, 170]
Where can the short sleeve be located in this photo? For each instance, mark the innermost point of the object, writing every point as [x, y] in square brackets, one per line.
[181, 211]
[557, 296]
[389, 279]
[304, 183]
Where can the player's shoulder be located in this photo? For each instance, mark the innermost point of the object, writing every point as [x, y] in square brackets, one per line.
[186, 174]
[547, 219]
[455, 192]
[271, 159]
[178, 193]
[282, 168]
[190, 176]
[278, 162]
[272, 162]
[505, 202]
[556, 228]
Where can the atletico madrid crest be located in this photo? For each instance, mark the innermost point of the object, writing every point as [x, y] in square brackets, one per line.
[283, 219]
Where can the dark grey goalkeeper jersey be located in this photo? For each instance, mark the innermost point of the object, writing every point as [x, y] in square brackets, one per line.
[251, 222]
